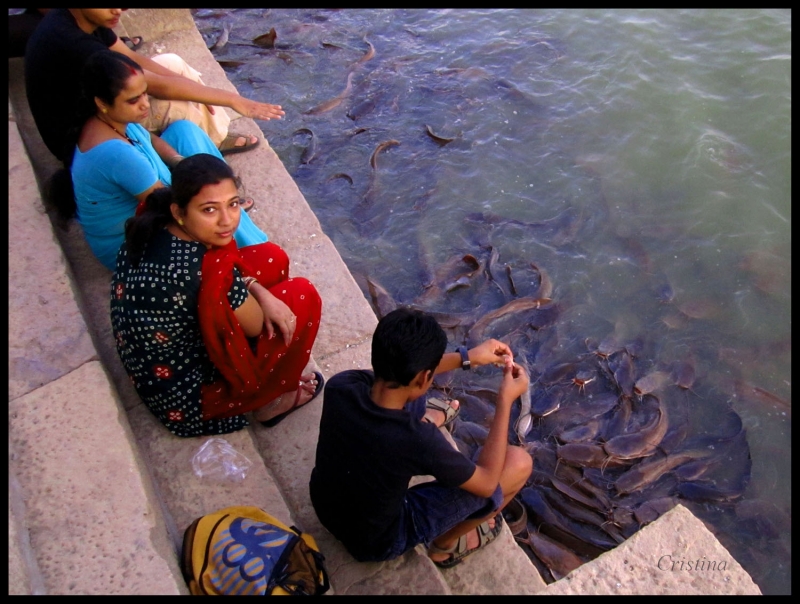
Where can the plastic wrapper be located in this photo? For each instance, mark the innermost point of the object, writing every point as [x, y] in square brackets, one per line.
[218, 460]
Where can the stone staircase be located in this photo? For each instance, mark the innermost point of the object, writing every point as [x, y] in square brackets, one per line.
[99, 491]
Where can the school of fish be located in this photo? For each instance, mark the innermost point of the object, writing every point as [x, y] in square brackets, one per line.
[610, 431]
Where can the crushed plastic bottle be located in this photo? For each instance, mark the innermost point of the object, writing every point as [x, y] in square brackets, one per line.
[217, 459]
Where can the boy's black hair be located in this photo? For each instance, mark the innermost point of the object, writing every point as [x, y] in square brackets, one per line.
[406, 342]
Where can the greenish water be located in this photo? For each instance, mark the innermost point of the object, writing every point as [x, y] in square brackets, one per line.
[657, 142]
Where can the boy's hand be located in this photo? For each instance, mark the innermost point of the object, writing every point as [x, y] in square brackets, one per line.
[515, 382]
[492, 352]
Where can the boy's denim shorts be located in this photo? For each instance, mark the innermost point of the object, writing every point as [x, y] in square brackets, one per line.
[432, 509]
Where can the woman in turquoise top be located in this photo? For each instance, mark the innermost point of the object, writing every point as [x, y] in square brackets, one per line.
[117, 163]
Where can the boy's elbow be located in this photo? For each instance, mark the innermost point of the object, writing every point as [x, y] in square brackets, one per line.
[481, 484]
[490, 489]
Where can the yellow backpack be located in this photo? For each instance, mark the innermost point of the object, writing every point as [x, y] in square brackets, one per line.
[242, 550]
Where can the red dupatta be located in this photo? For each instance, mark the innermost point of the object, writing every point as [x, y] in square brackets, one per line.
[239, 389]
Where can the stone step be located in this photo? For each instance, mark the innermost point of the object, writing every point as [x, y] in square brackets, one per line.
[677, 554]
[83, 517]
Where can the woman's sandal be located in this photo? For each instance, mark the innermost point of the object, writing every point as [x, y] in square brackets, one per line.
[274, 421]
[247, 203]
[228, 146]
[450, 412]
[459, 551]
[132, 43]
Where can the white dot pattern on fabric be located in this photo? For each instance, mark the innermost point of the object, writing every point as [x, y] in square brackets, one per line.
[158, 338]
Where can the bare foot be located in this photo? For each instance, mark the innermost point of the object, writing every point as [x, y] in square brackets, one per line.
[242, 141]
[473, 539]
[437, 417]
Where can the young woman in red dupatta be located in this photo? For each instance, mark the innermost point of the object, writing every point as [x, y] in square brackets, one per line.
[207, 331]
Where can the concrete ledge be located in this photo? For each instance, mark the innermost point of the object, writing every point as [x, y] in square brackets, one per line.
[88, 505]
[24, 576]
[662, 558]
[187, 496]
[47, 335]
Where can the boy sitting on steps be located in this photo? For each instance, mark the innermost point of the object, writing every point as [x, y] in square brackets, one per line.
[373, 439]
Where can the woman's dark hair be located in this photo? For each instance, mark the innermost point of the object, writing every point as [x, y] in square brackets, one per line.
[188, 178]
[406, 342]
[103, 76]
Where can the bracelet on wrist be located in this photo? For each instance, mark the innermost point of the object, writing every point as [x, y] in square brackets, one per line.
[248, 281]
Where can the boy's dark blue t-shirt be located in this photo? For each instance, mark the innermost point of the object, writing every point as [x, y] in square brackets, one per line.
[366, 456]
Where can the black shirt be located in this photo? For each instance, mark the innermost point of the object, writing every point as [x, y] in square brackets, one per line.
[54, 59]
[366, 456]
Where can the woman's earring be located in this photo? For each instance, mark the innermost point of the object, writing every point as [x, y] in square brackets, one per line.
[104, 110]
[180, 222]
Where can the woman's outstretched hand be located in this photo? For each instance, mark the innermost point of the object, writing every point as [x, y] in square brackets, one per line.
[256, 110]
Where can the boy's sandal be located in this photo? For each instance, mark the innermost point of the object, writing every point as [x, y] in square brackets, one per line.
[274, 421]
[459, 551]
[132, 43]
[450, 412]
[228, 146]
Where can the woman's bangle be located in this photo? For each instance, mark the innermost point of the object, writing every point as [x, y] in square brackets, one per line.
[248, 281]
[175, 160]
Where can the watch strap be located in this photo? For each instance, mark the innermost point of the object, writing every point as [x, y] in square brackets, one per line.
[465, 364]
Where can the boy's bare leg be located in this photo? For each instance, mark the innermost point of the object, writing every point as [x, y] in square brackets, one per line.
[516, 471]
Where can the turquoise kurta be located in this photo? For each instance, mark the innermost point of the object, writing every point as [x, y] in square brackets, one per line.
[108, 177]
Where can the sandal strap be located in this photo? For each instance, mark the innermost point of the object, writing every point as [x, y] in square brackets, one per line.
[458, 547]
[460, 550]
[450, 412]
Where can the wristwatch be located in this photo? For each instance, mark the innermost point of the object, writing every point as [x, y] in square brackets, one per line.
[465, 364]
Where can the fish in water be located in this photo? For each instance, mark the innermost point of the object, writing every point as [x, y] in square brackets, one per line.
[560, 561]
[651, 382]
[381, 147]
[590, 455]
[643, 442]
[515, 306]
[648, 472]
[222, 40]
[440, 140]
[364, 107]
[367, 55]
[462, 281]
[224, 63]
[382, 301]
[311, 149]
[343, 175]
[335, 101]
[525, 421]
[266, 40]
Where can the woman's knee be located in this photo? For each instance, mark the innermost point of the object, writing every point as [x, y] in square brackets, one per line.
[176, 63]
[269, 261]
[304, 299]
